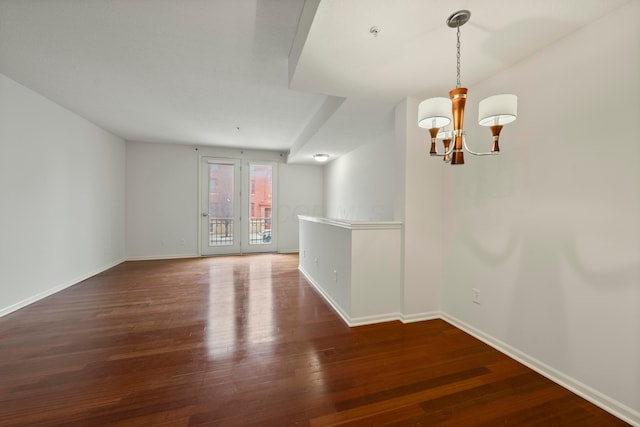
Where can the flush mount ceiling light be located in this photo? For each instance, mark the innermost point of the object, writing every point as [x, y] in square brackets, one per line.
[321, 157]
[436, 113]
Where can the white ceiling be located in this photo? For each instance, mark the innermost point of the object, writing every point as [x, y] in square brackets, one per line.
[191, 71]
[186, 71]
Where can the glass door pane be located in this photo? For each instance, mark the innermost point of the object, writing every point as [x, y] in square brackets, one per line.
[260, 229]
[221, 221]
[221, 214]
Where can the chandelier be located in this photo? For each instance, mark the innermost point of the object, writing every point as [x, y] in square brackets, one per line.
[436, 113]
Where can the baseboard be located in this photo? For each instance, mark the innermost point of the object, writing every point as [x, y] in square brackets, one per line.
[156, 257]
[55, 289]
[378, 318]
[288, 251]
[390, 317]
[366, 320]
[419, 317]
[336, 307]
[612, 406]
[185, 256]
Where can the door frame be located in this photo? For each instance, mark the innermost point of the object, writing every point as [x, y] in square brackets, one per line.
[203, 210]
[241, 175]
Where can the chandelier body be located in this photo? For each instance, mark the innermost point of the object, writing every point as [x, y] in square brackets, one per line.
[436, 113]
[458, 100]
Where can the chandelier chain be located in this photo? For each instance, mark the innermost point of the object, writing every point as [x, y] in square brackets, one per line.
[458, 57]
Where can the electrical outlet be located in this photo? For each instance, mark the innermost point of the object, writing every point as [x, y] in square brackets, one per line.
[476, 296]
[315, 260]
[335, 276]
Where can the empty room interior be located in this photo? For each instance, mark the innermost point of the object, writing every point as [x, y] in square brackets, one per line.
[319, 212]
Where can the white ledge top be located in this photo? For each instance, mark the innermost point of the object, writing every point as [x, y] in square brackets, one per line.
[353, 225]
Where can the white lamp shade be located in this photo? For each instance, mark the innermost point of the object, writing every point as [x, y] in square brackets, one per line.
[434, 113]
[498, 110]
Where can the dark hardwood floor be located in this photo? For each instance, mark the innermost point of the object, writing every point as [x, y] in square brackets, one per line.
[247, 341]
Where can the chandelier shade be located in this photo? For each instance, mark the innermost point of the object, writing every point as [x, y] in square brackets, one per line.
[434, 113]
[498, 110]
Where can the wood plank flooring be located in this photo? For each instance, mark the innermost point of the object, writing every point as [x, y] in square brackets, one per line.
[241, 341]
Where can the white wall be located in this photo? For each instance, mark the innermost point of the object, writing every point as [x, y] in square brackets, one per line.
[355, 266]
[375, 272]
[300, 193]
[549, 232]
[419, 207]
[394, 179]
[62, 187]
[162, 198]
[360, 185]
[324, 249]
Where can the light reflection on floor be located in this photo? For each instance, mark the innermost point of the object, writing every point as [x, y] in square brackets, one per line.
[241, 312]
[261, 311]
[242, 329]
[221, 326]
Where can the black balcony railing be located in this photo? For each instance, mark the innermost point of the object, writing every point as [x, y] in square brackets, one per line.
[259, 231]
[221, 231]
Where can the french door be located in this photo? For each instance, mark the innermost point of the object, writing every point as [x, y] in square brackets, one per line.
[221, 208]
[238, 203]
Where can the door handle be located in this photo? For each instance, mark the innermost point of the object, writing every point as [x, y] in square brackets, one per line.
[205, 214]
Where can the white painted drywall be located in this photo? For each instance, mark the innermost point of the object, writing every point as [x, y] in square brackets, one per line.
[549, 232]
[162, 197]
[355, 266]
[325, 248]
[162, 200]
[300, 193]
[360, 185]
[419, 207]
[376, 289]
[394, 179]
[62, 186]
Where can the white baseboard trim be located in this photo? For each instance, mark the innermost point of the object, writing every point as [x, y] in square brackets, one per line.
[378, 318]
[157, 257]
[419, 317]
[612, 406]
[288, 251]
[336, 307]
[21, 304]
[366, 320]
